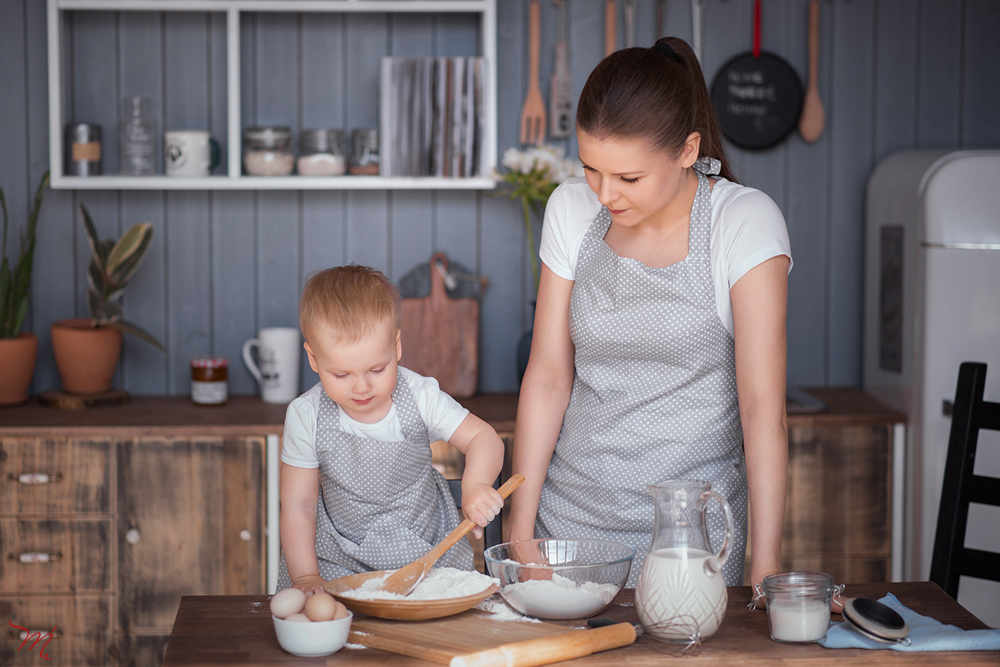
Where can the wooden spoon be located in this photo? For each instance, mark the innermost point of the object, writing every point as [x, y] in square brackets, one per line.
[406, 578]
[812, 119]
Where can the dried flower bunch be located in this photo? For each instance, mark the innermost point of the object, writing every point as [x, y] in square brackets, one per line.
[532, 175]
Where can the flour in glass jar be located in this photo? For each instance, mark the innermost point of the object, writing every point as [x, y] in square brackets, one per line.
[441, 583]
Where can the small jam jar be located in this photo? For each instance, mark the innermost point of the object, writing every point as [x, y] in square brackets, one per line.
[209, 380]
[798, 605]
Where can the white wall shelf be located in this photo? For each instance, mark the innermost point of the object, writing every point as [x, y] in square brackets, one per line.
[235, 180]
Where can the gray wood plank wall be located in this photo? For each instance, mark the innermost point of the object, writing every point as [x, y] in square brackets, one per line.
[894, 75]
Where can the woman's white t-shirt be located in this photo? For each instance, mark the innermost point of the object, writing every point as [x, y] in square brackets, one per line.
[747, 229]
[441, 413]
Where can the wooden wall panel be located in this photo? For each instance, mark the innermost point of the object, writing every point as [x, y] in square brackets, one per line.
[939, 99]
[807, 215]
[851, 160]
[981, 71]
[893, 75]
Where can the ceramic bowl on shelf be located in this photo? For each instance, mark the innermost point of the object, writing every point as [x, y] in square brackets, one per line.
[314, 638]
[560, 579]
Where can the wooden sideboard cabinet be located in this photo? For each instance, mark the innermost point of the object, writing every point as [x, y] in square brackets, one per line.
[109, 516]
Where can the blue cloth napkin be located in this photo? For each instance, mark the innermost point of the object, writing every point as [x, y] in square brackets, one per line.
[926, 634]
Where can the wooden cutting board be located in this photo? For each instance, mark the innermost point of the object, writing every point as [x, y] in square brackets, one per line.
[442, 639]
[441, 336]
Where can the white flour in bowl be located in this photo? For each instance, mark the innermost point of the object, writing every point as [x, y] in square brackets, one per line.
[441, 583]
[559, 597]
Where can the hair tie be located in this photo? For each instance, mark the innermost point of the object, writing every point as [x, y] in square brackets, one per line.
[667, 50]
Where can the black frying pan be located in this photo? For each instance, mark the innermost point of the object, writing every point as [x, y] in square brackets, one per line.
[757, 96]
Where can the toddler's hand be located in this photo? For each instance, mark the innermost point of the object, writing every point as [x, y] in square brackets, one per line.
[309, 584]
[480, 505]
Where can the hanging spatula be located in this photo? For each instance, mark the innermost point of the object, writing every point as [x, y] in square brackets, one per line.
[406, 578]
[561, 100]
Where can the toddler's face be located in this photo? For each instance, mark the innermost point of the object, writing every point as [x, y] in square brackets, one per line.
[359, 376]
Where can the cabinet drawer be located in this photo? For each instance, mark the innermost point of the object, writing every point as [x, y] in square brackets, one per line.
[55, 556]
[82, 630]
[54, 476]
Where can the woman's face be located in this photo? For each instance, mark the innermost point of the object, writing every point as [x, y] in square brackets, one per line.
[636, 183]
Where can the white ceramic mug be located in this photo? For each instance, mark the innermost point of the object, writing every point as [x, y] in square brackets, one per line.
[190, 153]
[277, 367]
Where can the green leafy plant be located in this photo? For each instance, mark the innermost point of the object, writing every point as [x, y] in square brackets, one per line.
[532, 175]
[112, 265]
[14, 285]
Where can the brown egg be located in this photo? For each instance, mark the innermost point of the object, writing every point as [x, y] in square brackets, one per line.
[341, 611]
[321, 607]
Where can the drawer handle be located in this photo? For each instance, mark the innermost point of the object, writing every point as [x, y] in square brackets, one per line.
[35, 557]
[35, 478]
[133, 536]
[24, 634]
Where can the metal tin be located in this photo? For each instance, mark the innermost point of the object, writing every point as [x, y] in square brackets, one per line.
[83, 149]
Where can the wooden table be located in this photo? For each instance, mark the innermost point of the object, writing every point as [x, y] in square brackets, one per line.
[237, 630]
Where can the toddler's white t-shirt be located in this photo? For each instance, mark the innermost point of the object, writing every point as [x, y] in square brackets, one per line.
[441, 413]
[747, 229]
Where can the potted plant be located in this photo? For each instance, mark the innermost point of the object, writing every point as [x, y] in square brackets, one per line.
[532, 175]
[87, 348]
[18, 349]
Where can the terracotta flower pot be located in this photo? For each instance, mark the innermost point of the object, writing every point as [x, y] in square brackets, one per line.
[85, 356]
[17, 365]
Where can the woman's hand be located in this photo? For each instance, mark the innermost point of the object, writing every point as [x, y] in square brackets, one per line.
[481, 504]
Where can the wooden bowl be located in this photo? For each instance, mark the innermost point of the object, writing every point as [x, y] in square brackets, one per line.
[402, 610]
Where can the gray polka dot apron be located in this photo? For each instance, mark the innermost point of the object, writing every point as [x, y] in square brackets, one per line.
[654, 396]
[381, 504]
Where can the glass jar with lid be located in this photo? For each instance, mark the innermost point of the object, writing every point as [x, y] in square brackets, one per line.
[321, 153]
[267, 151]
[364, 152]
[798, 605]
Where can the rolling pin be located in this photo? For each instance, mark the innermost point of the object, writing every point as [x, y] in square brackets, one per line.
[545, 650]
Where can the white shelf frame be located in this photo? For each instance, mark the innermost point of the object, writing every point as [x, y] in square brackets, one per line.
[235, 180]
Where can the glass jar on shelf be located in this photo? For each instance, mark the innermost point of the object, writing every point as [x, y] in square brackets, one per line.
[267, 151]
[364, 152]
[321, 153]
[136, 138]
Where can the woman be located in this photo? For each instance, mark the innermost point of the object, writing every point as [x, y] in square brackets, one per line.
[659, 342]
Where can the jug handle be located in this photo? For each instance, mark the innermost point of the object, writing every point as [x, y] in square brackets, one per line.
[716, 562]
[248, 359]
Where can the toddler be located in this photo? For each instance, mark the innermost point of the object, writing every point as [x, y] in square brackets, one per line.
[358, 492]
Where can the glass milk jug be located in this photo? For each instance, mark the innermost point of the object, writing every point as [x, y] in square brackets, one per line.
[681, 594]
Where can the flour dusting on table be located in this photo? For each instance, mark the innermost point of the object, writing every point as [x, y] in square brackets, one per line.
[441, 583]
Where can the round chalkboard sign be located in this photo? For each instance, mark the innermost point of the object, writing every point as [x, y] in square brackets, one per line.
[757, 100]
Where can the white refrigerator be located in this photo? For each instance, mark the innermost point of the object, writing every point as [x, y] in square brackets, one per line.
[932, 301]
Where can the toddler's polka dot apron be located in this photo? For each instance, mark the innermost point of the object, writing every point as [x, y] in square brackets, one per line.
[654, 397]
[381, 504]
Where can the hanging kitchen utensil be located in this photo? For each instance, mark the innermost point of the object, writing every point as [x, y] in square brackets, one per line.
[812, 120]
[561, 93]
[661, 18]
[757, 96]
[610, 27]
[533, 113]
[629, 23]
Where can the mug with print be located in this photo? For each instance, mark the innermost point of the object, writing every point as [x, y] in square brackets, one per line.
[277, 366]
[190, 153]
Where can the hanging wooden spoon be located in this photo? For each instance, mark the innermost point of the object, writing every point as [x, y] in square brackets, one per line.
[813, 118]
[406, 578]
